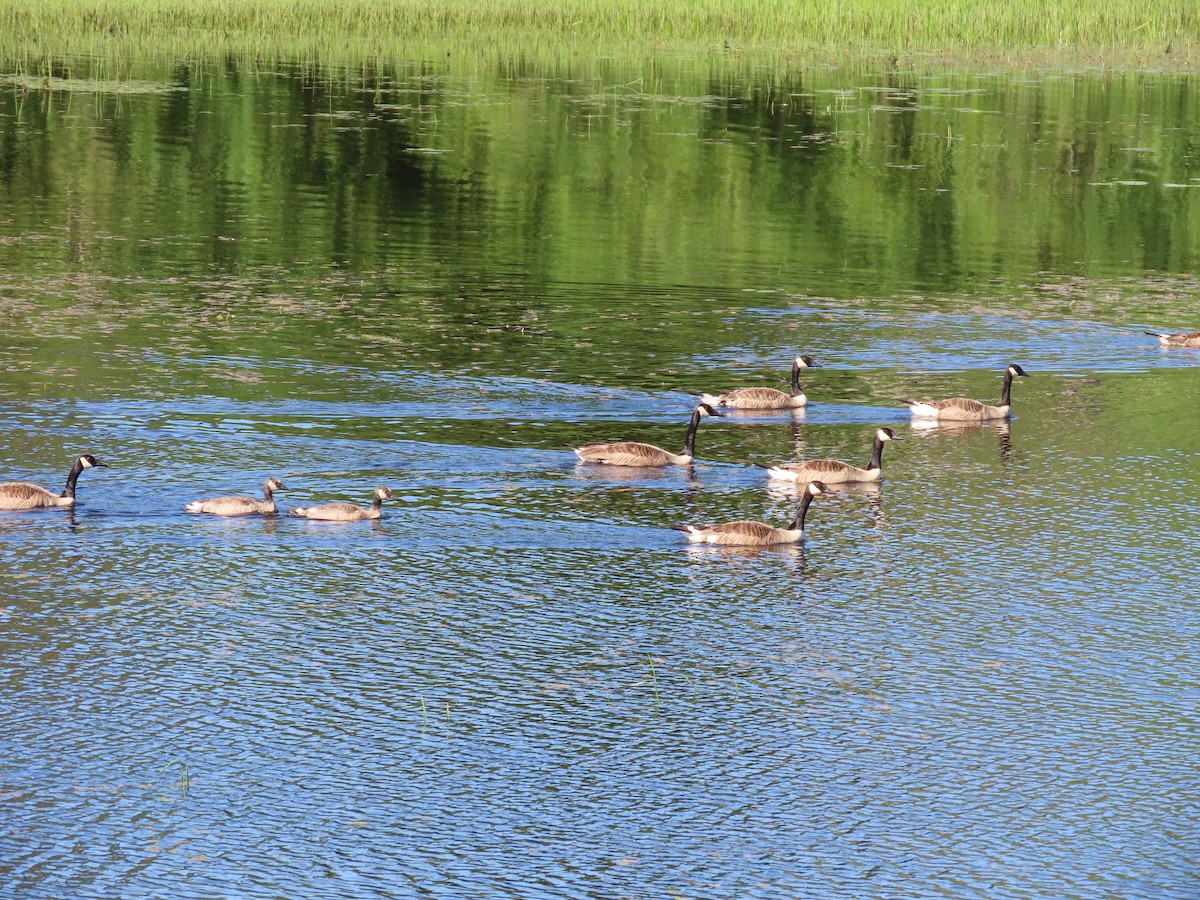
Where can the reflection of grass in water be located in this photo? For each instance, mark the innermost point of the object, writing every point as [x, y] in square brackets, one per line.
[363, 29]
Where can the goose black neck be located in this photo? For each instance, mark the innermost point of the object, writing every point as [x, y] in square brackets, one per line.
[72, 477]
[1006, 393]
[689, 442]
[377, 503]
[876, 454]
[798, 522]
[267, 492]
[795, 379]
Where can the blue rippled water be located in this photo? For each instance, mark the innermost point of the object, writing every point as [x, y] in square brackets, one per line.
[975, 679]
[973, 674]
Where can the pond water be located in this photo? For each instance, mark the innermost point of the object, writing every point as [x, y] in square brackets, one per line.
[976, 679]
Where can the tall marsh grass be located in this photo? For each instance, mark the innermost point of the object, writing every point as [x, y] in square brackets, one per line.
[344, 29]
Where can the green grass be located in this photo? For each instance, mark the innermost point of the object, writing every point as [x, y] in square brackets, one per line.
[1103, 31]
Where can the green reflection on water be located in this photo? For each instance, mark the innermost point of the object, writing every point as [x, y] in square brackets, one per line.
[528, 222]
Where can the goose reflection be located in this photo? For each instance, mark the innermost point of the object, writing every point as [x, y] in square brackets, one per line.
[792, 553]
[224, 525]
[1002, 427]
[797, 414]
[599, 472]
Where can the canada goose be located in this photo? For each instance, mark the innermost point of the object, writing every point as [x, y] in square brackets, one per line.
[1179, 339]
[960, 409]
[834, 471]
[345, 512]
[240, 506]
[632, 453]
[23, 495]
[764, 397]
[754, 534]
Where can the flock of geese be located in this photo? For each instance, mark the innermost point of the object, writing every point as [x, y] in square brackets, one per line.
[815, 474]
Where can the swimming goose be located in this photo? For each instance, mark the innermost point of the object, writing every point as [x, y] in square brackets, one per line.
[345, 512]
[961, 409]
[240, 506]
[23, 495]
[754, 534]
[632, 453]
[764, 397]
[834, 471]
[1179, 339]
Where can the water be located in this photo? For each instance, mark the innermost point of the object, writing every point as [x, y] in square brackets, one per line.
[976, 679]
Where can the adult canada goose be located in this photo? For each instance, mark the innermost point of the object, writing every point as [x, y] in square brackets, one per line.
[345, 512]
[23, 495]
[1179, 339]
[632, 453]
[240, 506]
[764, 397]
[754, 534]
[834, 471]
[961, 409]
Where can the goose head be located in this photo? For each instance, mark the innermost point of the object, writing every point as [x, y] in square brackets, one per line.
[885, 434]
[274, 484]
[704, 411]
[816, 488]
[382, 493]
[1014, 369]
[87, 461]
[805, 362]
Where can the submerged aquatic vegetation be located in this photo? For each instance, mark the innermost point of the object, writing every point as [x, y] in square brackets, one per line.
[358, 29]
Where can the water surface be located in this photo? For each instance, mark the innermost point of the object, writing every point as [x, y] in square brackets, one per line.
[975, 679]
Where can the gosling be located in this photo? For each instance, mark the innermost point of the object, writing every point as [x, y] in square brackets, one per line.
[240, 506]
[345, 512]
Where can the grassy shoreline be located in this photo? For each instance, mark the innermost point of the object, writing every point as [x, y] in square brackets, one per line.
[1155, 33]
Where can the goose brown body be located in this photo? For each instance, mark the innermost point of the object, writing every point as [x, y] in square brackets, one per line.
[1179, 339]
[958, 409]
[754, 534]
[834, 471]
[634, 453]
[764, 397]
[240, 506]
[345, 512]
[964, 409]
[24, 495]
